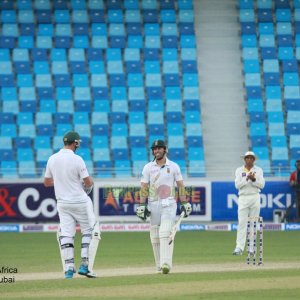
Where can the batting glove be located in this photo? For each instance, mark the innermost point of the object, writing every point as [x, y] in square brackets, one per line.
[87, 189]
[142, 212]
[186, 207]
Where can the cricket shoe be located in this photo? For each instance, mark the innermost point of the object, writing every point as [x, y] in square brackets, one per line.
[165, 268]
[237, 251]
[83, 270]
[158, 270]
[69, 274]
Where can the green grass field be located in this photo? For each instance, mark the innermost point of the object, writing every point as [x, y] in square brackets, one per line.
[38, 253]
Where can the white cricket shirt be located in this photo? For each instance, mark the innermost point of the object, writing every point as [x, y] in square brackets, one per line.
[67, 170]
[156, 176]
[248, 187]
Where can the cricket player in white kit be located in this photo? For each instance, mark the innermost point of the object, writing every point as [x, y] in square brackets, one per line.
[158, 182]
[67, 172]
[249, 180]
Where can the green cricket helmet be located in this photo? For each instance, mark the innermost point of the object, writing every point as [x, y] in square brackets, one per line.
[71, 137]
[158, 144]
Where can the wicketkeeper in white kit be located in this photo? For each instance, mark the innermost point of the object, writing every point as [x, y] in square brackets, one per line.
[158, 182]
[67, 172]
[249, 180]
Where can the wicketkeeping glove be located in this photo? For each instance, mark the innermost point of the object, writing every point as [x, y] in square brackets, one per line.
[142, 212]
[186, 207]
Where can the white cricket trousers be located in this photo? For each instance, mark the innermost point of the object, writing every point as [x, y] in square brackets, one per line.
[68, 214]
[159, 213]
[248, 206]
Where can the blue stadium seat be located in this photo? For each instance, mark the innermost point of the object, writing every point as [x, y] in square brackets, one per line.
[62, 128]
[118, 142]
[176, 154]
[41, 142]
[8, 169]
[46, 130]
[6, 142]
[261, 152]
[276, 129]
[174, 129]
[186, 16]
[6, 118]
[139, 154]
[7, 154]
[119, 129]
[292, 104]
[195, 153]
[42, 155]
[83, 106]
[194, 141]
[289, 65]
[294, 141]
[175, 142]
[196, 168]
[272, 79]
[99, 118]
[257, 116]
[248, 28]
[174, 117]
[278, 141]
[27, 169]
[265, 165]
[99, 141]
[43, 118]
[155, 117]
[8, 130]
[136, 118]
[81, 118]
[255, 105]
[293, 128]
[137, 141]
[103, 169]
[258, 129]
[193, 130]
[275, 117]
[138, 131]
[268, 53]
[173, 106]
[122, 168]
[266, 28]
[25, 154]
[186, 28]
[259, 141]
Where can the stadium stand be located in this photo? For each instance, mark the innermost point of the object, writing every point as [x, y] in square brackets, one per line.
[270, 44]
[121, 73]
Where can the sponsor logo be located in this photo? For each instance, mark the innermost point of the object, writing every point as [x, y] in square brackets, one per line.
[295, 226]
[218, 227]
[47, 207]
[281, 200]
[191, 227]
[33, 227]
[125, 227]
[125, 200]
[9, 228]
[272, 227]
[51, 228]
[6, 203]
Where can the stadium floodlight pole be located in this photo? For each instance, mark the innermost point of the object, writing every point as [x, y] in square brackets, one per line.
[175, 228]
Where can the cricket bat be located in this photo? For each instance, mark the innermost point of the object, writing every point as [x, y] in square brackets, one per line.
[175, 228]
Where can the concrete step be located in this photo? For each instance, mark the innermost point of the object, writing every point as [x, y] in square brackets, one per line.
[223, 109]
